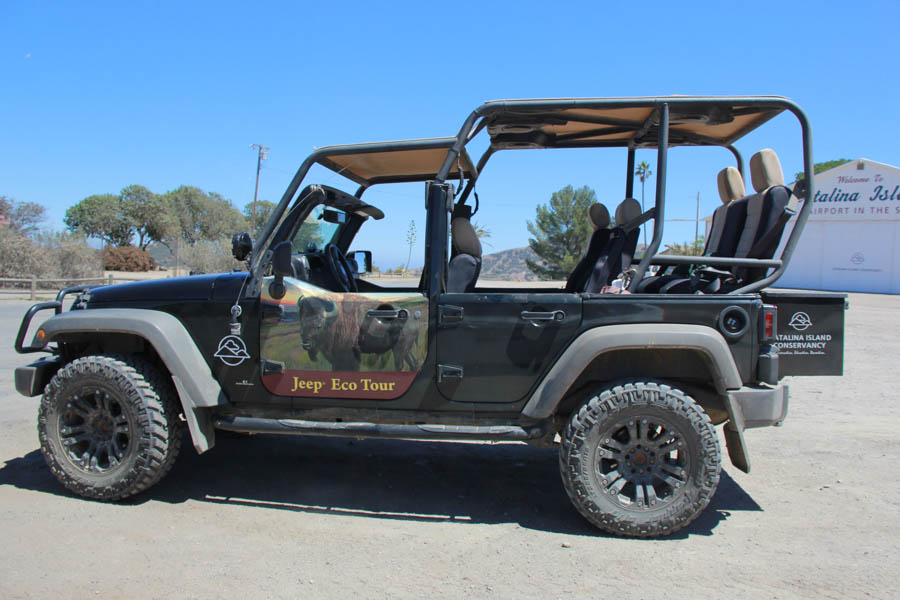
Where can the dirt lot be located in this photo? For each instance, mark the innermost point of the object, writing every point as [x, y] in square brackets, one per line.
[283, 517]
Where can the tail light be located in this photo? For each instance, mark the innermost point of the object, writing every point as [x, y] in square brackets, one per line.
[768, 323]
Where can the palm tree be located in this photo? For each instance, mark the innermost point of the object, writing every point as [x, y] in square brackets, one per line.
[643, 172]
[481, 232]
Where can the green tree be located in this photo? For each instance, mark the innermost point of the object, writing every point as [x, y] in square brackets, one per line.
[643, 173]
[151, 214]
[23, 217]
[687, 248]
[203, 215]
[820, 167]
[101, 216]
[561, 231]
[264, 210]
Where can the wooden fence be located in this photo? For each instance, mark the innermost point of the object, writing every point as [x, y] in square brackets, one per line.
[31, 285]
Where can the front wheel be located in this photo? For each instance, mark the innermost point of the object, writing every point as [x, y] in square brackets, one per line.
[640, 459]
[109, 426]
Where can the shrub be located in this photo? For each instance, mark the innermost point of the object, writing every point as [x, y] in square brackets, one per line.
[20, 256]
[68, 256]
[210, 257]
[47, 256]
[127, 258]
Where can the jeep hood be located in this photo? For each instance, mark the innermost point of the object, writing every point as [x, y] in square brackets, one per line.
[181, 289]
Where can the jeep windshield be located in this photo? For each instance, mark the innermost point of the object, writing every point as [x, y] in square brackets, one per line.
[317, 229]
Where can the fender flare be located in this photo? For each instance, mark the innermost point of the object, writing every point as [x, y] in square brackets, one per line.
[197, 389]
[594, 342]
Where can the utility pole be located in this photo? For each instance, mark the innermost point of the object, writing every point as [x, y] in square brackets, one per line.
[263, 150]
[697, 221]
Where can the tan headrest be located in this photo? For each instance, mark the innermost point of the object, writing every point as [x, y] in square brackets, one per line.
[628, 210]
[765, 170]
[599, 216]
[464, 238]
[731, 185]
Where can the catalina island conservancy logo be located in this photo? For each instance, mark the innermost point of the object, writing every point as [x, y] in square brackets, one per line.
[232, 350]
[800, 321]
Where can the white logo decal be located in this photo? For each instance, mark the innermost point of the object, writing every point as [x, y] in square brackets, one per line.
[800, 321]
[858, 258]
[232, 350]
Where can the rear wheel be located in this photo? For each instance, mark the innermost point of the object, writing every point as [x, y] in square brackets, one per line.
[640, 459]
[109, 426]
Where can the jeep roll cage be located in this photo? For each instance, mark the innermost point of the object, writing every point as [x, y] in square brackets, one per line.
[632, 123]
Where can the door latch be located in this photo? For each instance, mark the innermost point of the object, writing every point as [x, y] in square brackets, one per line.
[388, 314]
[447, 313]
[449, 373]
[555, 315]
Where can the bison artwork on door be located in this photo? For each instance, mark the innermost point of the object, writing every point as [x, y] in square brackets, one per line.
[323, 344]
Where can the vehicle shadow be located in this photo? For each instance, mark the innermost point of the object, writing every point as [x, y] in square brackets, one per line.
[381, 479]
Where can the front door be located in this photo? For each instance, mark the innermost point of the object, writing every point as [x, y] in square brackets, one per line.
[316, 343]
[492, 348]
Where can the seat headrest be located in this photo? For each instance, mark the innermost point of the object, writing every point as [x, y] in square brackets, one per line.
[464, 238]
[628, 210]
[731, 185]
[599, 216]
[765, 170]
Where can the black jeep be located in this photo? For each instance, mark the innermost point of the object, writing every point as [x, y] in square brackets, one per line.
[628, 367]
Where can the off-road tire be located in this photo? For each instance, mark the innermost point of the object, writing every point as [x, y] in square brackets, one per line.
[109, 400]
[668, 479]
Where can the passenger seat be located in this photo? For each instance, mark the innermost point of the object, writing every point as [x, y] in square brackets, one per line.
[465, 262]
[767, 213]
[727, 224]
[598, 215]
[622, 244]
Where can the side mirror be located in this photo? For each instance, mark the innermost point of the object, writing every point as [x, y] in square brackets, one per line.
[241, 246]
[281, 268]
[362, 259]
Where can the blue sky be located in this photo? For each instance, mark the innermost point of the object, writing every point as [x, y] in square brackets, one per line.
[97, 96]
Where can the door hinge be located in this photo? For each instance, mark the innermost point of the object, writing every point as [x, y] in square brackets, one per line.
[449, 373]
[447, 313]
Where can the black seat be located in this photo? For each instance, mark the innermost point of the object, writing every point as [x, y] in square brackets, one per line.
[465, 261]
[598, 215]
[619, 251]
[725, 231]
[767, 213]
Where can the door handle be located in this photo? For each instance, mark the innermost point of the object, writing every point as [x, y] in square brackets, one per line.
[388, 314]
[449, 372]
[554, 315]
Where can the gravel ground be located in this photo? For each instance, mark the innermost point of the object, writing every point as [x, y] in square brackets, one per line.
[284, 517]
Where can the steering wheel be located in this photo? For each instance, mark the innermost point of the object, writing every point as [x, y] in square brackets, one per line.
[340, 268]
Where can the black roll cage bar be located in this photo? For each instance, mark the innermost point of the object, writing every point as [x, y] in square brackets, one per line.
[478, 120]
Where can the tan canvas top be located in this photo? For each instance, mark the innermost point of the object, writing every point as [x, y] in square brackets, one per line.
[560, 123]
[552, 123]
[413, 160]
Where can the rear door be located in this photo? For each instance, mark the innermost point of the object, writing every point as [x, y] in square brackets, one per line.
[493, 347]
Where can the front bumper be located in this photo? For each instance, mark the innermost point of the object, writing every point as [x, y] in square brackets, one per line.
[761, 406]
[32, 379]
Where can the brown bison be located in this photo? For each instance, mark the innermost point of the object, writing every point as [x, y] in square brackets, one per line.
[342, 332]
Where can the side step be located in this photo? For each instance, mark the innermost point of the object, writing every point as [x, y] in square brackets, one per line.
[372, 430]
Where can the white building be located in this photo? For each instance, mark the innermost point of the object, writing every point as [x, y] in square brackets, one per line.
[851, 242]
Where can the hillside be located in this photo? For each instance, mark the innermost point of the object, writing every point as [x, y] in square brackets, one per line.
[508, 265]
